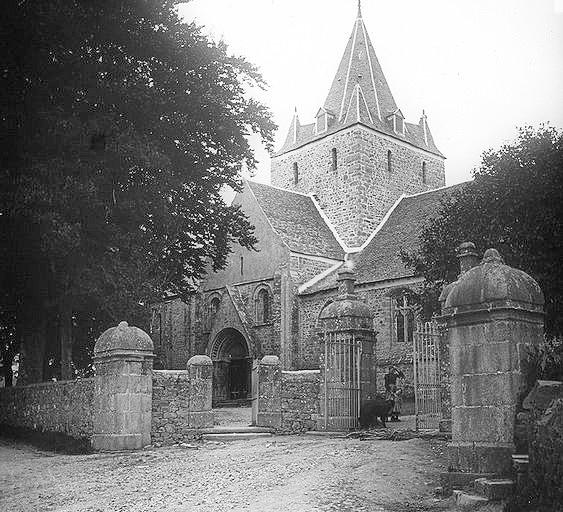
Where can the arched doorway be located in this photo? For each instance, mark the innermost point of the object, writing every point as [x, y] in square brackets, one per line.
[232, 367]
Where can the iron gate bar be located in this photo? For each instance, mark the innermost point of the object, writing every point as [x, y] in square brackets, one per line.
[342, 380]
[426, 373]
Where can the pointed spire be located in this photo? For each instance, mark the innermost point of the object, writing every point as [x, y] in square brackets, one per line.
[359, 9]
[359, 64]
[424, 125]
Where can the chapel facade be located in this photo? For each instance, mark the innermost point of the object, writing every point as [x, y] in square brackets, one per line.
[357, 184]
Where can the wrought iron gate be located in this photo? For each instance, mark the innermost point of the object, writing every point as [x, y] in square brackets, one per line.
[342, 380]
[427, 381]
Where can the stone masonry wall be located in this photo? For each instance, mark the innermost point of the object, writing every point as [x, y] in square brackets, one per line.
[304, 269]
[300, 400]
[171, 333]
[63, 407]
[357, 194]
[170, 405]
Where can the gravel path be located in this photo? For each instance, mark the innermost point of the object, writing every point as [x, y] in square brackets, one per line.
[284, 473]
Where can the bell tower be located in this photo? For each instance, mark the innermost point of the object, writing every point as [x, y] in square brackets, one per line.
[359, 155]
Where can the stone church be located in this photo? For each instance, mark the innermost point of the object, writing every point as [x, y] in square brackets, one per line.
[357, 184]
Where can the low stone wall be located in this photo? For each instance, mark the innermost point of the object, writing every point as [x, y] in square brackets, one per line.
[181, 402]
[63, 407]
[300, 400]
[170, 405]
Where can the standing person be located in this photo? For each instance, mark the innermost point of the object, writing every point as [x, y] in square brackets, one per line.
[393, 391]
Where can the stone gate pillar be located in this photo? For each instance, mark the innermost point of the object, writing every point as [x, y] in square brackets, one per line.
[494, 313]
[123, 358]
[200, 391]
[347, 358]
[268, 400]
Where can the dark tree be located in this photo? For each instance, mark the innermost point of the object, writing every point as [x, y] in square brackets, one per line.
[515, 204]
[120, 127]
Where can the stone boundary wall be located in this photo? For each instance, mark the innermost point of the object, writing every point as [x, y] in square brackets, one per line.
[64, 407]
[300, 400]
[170, 405]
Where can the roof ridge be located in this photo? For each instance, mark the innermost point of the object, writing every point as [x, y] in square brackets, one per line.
[382, 222]
[265, 215]
[437, 189]
[319, 277]
[279, 188]
[329, 224]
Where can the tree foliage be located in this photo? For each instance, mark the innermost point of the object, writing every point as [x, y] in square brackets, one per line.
[515, 204]
[121, 127]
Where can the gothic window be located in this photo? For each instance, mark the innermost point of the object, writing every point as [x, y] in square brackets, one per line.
[424, 172]
[403, 321]
[389, 162]
[334, 159]
[263, 306]
[295, 173]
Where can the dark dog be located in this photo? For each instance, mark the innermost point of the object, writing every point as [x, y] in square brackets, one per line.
[370, 410]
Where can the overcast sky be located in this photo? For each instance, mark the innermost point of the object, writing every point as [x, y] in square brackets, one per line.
[479, 68]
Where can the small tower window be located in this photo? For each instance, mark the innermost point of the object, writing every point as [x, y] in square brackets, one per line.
[389, 162]
[295, 173]
[424, 172]
[334, 159]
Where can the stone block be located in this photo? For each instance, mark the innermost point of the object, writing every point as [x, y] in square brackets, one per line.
[543, 392]
[200, 419]
[490, 388]
[494, 489]
[486, 424]
[488, 357]
[472, 457]
[269, 419]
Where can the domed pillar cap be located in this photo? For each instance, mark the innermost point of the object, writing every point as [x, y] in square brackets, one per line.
[495, 285]
[200, 360]
[123, 337]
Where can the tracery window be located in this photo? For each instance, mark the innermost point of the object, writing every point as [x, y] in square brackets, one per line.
[403, 320]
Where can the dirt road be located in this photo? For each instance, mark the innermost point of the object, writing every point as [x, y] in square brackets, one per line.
[284, 473]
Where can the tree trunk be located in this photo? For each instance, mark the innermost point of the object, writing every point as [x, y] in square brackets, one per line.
[8, 374]
[32, 352]
[65, 338]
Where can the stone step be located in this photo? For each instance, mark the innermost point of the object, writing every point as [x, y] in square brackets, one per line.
[235, 436]
[236, 429]
[520, 462]
[494, 489]
[467, 500]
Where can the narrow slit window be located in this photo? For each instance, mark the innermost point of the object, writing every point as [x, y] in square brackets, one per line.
[295, 173]
[424, 172]
[242, 265]
[389, 162]
[334, 159]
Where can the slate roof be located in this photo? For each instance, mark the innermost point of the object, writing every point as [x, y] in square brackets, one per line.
[380, 259]
[360, 94]
[297, 221]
